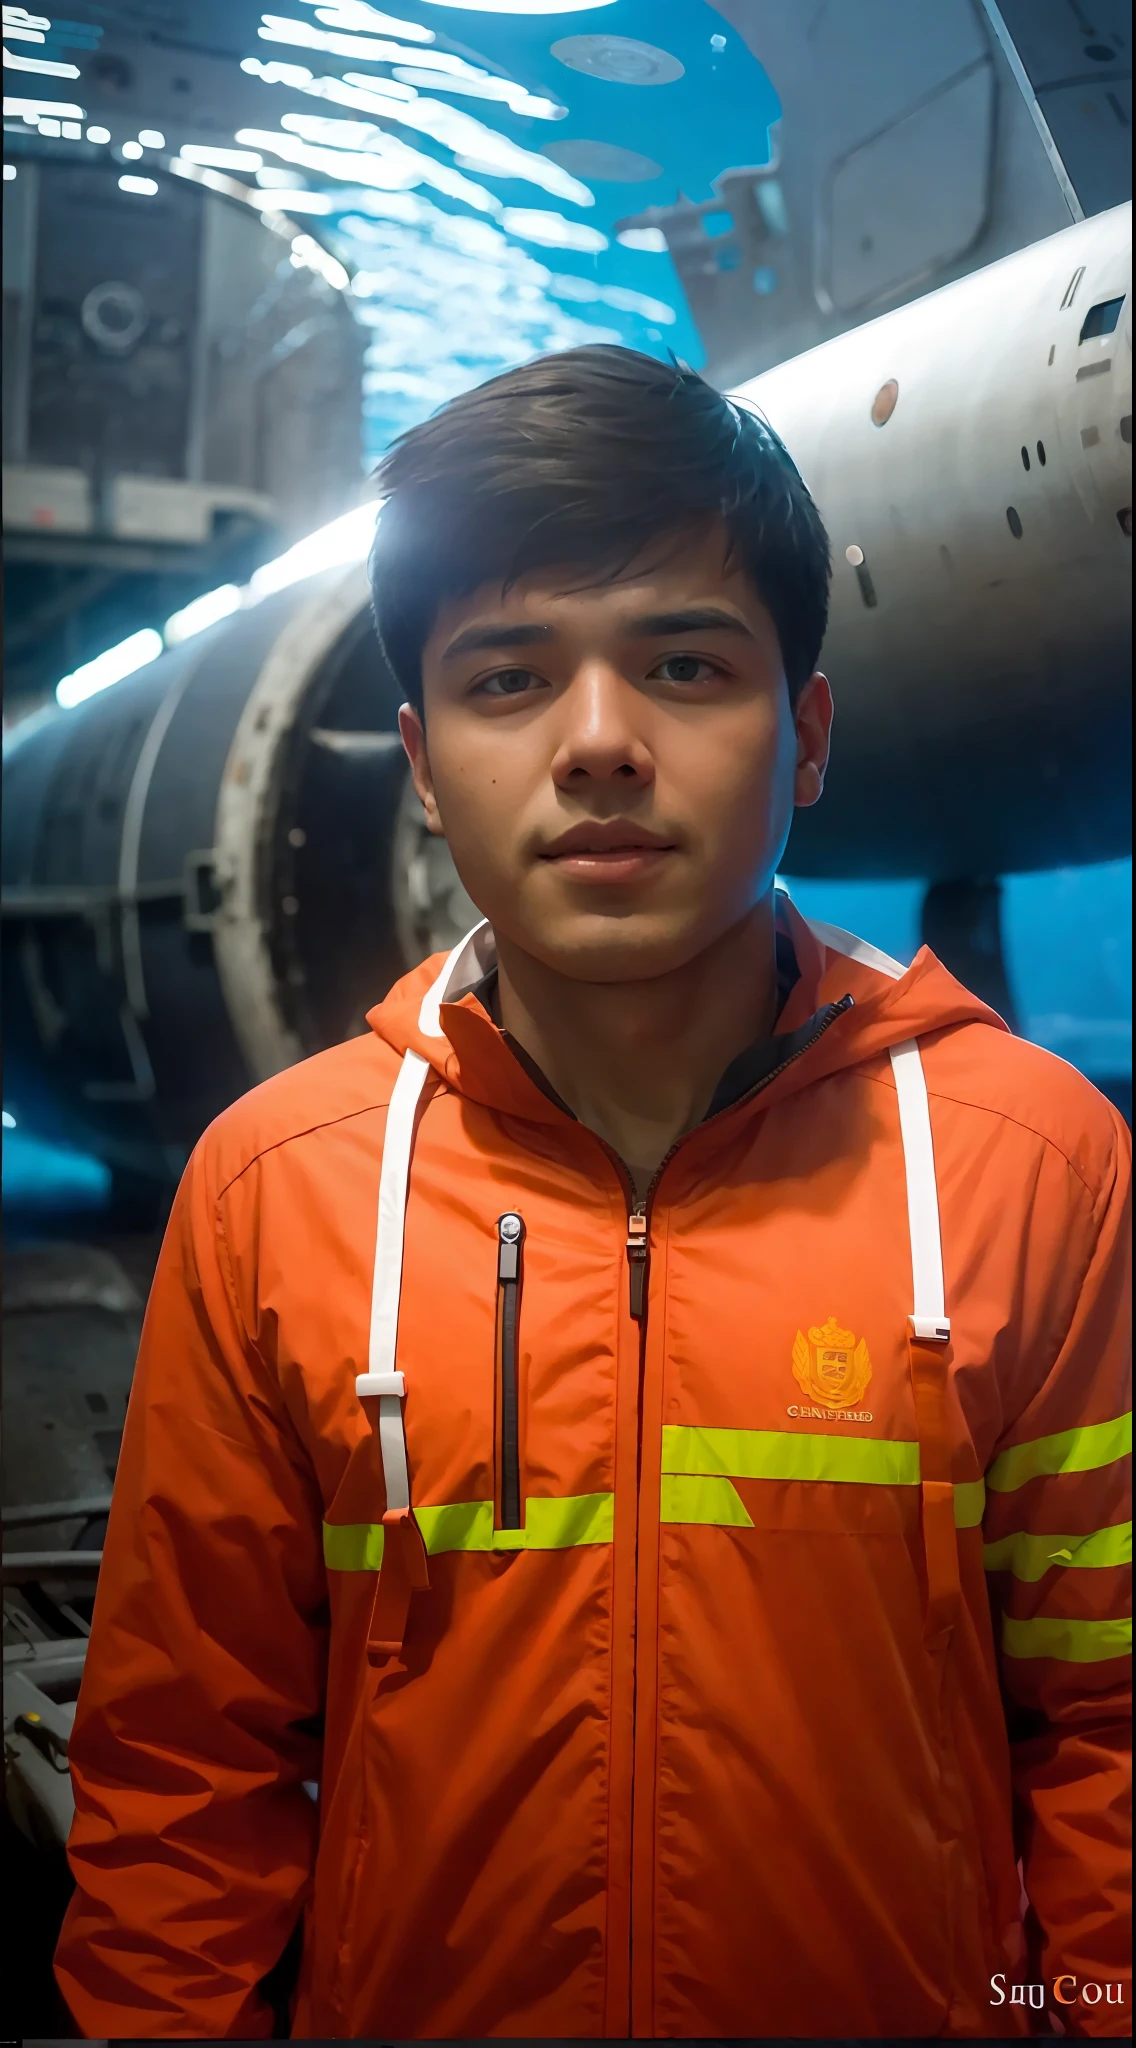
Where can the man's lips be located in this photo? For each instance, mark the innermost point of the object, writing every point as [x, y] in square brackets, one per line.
[614, 851]
[610, 840]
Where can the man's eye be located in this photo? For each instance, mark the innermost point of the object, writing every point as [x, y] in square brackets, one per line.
[509, 682]
[685, 668]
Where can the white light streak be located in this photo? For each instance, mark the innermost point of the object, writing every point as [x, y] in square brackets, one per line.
[144, 187]
[333, 133]
[583, 291]
[400, 206]
[478, 148]
[151, 138]
[9, 172]
[129, 655]
[482, 85]
[551, 230]
[211, 158]
[651, 239]
[293, 199]
[521, 6]
[19, 18]
[336, 545]
[97, 134]
[132, 151]
[37, 110]
[351, 14]
[309, 254]
[13, 62]
[8, 1120]
[346, 539]
[48, 125]
[456, 74]
[276, 74]
[387, 163]
[217, 181]
[283, 28]
[362, 169]
[411, 280]
[72, 130]
[202, 612]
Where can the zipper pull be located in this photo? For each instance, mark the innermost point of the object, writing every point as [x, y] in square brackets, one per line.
[510, 1238]
[510, 1235]
[637, 1261]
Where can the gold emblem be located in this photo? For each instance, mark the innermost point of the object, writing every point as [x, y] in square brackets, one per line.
[832, 1368]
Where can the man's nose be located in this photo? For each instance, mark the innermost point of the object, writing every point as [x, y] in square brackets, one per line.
[602, 737]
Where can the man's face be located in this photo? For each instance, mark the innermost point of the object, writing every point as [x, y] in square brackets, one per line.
[615, 768]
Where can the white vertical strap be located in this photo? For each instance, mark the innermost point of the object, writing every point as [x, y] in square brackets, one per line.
[382, 1379]
[928, 1319]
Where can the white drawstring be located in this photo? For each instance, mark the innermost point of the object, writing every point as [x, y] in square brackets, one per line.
[929, 1319]
[463, 966]
[381, 1379]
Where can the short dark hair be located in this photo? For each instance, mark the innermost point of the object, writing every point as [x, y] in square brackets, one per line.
[587, 459]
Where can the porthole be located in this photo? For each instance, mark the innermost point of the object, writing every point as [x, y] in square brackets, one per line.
[1013, 522]
[883, 404]
[1041, 453]
[1025, 458]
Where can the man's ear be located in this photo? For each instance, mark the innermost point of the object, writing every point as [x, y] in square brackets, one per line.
[814, 725]
[414, 740]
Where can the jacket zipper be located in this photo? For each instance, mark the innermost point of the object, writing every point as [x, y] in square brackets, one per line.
[639, 1213]
[510, 1237]
[637, 1260]
[638, 1255]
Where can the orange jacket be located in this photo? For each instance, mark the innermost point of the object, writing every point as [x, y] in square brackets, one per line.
[762, 1635]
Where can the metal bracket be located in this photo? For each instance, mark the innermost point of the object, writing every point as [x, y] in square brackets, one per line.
[203, 892]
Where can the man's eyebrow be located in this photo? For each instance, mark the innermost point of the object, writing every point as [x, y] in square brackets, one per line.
[476, 639]
[702, 618]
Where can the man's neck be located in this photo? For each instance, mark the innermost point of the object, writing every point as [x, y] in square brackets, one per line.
[638, 1061]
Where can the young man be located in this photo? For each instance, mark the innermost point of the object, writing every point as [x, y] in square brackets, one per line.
[644, 1427]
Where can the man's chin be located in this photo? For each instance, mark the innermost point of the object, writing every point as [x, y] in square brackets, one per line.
[613, 948]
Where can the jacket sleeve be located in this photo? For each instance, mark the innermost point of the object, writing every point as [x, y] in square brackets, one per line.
[197, 1725]
[1058, 1548]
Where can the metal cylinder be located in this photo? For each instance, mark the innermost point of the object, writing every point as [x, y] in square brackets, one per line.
[211, 870]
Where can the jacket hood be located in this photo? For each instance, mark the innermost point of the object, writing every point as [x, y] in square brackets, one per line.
[433, 1012]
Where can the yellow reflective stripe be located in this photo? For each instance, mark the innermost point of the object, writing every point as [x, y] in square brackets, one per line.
[1071, 1450]
[970, 1503]
[468, 1525]
[562, 1524]
[784, 1454]
[702, 1498]
[1030, 1557]
[1074, 1642]
[353, 1546]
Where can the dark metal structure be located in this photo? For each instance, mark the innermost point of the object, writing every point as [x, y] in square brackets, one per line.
[210, 870]
[179, 395]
